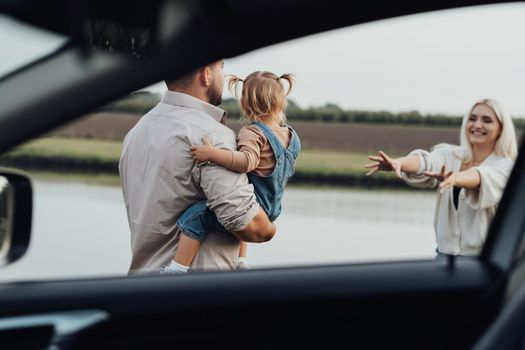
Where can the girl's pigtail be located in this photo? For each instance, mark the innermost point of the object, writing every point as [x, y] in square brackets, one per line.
[232, 84]
[290, 79]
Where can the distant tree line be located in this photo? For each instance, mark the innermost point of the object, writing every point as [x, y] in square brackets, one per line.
[140, 102]
[137, 103]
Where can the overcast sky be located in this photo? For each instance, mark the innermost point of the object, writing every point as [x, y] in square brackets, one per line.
[439, 62]
[436, 62]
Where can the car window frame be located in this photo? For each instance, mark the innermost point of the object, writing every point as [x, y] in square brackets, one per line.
[499, 250]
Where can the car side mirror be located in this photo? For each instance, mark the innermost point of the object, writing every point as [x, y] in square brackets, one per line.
[16, 205]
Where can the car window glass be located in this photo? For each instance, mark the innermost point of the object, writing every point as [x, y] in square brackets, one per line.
[393, 85]
[26, 44]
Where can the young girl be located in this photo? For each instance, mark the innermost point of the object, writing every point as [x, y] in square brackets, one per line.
[267, 150]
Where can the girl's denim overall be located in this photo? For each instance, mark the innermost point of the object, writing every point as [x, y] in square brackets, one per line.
[198, 220]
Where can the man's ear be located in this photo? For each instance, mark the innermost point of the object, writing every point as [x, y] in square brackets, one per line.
[206, 76]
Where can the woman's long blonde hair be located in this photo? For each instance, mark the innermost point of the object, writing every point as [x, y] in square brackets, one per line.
[506, 145]
[262, 94]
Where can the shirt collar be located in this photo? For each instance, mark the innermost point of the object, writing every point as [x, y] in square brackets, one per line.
[185, 100]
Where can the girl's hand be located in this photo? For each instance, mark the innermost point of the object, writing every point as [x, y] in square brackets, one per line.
[383, 163]
[202, 153]
[446, 178]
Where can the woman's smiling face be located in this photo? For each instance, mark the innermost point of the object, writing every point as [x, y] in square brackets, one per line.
[483, 126]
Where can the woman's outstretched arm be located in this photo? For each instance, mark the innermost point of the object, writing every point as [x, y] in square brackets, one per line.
[407, 164]
[469, 179]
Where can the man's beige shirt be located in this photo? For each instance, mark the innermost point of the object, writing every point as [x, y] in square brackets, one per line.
[160, 180]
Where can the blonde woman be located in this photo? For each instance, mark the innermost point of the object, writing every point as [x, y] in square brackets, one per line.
[470, 178]
[267, 150]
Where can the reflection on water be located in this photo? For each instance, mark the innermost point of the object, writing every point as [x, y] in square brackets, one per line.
[361, 205]
[336, 226]
[81, 230]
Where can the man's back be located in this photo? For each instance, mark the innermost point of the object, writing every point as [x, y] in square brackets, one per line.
[160, 180]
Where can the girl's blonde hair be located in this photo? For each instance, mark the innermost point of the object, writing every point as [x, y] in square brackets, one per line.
[506, 145]
[262, 94]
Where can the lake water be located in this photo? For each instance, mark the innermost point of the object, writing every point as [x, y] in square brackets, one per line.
[81, 230]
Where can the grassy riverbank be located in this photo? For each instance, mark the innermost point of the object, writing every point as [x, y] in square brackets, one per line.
[66, 147]
[310, 161]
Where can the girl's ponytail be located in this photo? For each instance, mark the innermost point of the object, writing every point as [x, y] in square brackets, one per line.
[233, 82]
[262, 94]
[290, 79]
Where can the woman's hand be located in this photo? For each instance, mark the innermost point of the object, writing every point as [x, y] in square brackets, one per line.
[383, 163]
[446, 178]
[202, 153]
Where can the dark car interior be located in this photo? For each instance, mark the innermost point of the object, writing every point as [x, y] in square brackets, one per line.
[452, 304]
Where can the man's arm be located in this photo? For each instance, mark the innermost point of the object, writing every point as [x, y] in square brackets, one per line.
[231, 197]
[259, 229]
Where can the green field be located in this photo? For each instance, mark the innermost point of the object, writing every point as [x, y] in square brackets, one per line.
[331, 162]
[70, 147]
[321, 162]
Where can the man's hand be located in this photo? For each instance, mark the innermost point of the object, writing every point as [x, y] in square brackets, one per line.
[202, 153]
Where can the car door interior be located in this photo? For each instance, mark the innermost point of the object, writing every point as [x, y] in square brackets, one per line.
[405, 305]
[409, 305]
[508, 329]
[52, 330]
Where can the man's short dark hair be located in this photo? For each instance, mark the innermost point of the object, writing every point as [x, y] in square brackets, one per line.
[182, 82]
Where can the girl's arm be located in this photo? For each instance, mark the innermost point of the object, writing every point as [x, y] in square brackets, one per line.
[242, 161]
[206, 152]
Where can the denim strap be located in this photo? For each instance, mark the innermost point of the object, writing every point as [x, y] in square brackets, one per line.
[277, 146]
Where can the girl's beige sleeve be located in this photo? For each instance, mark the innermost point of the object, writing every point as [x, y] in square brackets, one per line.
[249, 144]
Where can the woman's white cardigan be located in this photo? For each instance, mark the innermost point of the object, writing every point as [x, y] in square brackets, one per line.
[462, 231]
